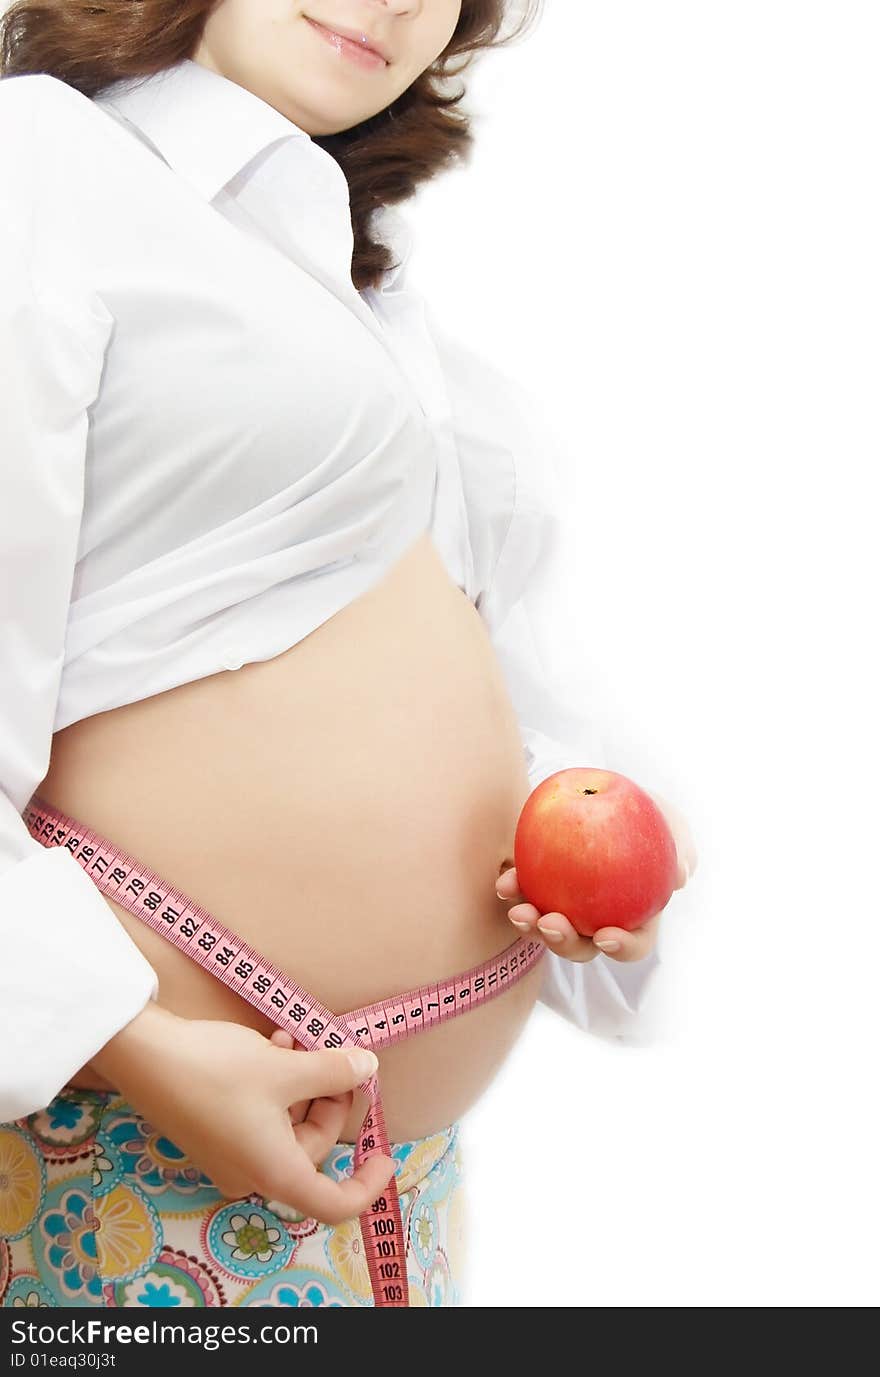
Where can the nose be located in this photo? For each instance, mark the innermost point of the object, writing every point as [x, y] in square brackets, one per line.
[400, 6]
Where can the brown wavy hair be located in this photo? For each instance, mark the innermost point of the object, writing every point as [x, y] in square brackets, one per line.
[92, 43]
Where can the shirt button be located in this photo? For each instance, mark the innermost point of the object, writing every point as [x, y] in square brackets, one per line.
[231, 660]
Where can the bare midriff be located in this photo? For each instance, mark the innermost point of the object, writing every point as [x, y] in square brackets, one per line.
[346, 807]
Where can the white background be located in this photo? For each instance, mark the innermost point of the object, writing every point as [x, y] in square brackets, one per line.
[669, 232]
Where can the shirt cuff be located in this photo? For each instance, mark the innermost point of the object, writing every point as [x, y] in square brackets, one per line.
[70, 978]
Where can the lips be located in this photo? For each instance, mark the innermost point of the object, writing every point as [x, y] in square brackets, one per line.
[363, 41]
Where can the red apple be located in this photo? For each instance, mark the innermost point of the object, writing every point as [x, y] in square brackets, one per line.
[592, 845]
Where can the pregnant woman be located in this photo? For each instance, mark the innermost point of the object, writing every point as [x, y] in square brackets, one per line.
[268, 538]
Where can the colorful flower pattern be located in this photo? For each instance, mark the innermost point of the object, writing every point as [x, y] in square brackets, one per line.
[98, 1208]
[158, 1167]
[344, 1247]
[175, 1280]
[308, 1288]
[27, 1292]
[128, 1232]
[22, 1181]
[67, 1252]
[246, 1242]
[65, 1129]
[423, 1231]
[438, 1280]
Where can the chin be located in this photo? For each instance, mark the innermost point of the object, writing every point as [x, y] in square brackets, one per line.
[321, 127]
[320, 115]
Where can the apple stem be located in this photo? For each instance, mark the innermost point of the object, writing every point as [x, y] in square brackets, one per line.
[589, 791]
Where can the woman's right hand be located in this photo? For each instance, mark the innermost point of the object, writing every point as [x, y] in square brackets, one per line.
[223, 1094]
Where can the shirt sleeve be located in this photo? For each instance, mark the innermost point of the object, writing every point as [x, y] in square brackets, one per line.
[70, 976]
[515, 505]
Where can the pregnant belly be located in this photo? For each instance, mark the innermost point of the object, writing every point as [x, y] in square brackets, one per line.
[346, 807]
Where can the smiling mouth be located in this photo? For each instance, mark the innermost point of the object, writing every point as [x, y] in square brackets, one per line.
[359, 54]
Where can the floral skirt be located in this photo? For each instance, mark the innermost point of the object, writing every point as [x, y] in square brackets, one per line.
[99, 1209]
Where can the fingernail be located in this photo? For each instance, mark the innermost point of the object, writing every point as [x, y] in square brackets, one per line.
[608, 946]
[551, 934]
[518, 923]
[363, 1063]
[500, 895]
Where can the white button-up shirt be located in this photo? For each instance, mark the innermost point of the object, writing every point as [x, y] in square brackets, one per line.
[211, 443]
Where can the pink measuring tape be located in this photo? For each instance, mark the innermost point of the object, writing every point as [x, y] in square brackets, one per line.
[230, 959]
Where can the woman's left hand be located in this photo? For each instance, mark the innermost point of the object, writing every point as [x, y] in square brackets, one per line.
[620, 945]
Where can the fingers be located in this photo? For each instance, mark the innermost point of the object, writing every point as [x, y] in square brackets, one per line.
[628, 946]
[332, 1202]
[325, 1072]
[552, 928]
[300, 1108]
[329, 1078]
[555, 930]
[320, 1129]
[562, 937]
[506, 886]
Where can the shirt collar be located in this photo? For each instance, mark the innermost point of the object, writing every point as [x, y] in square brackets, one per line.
[205, 125]
[208, 128]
